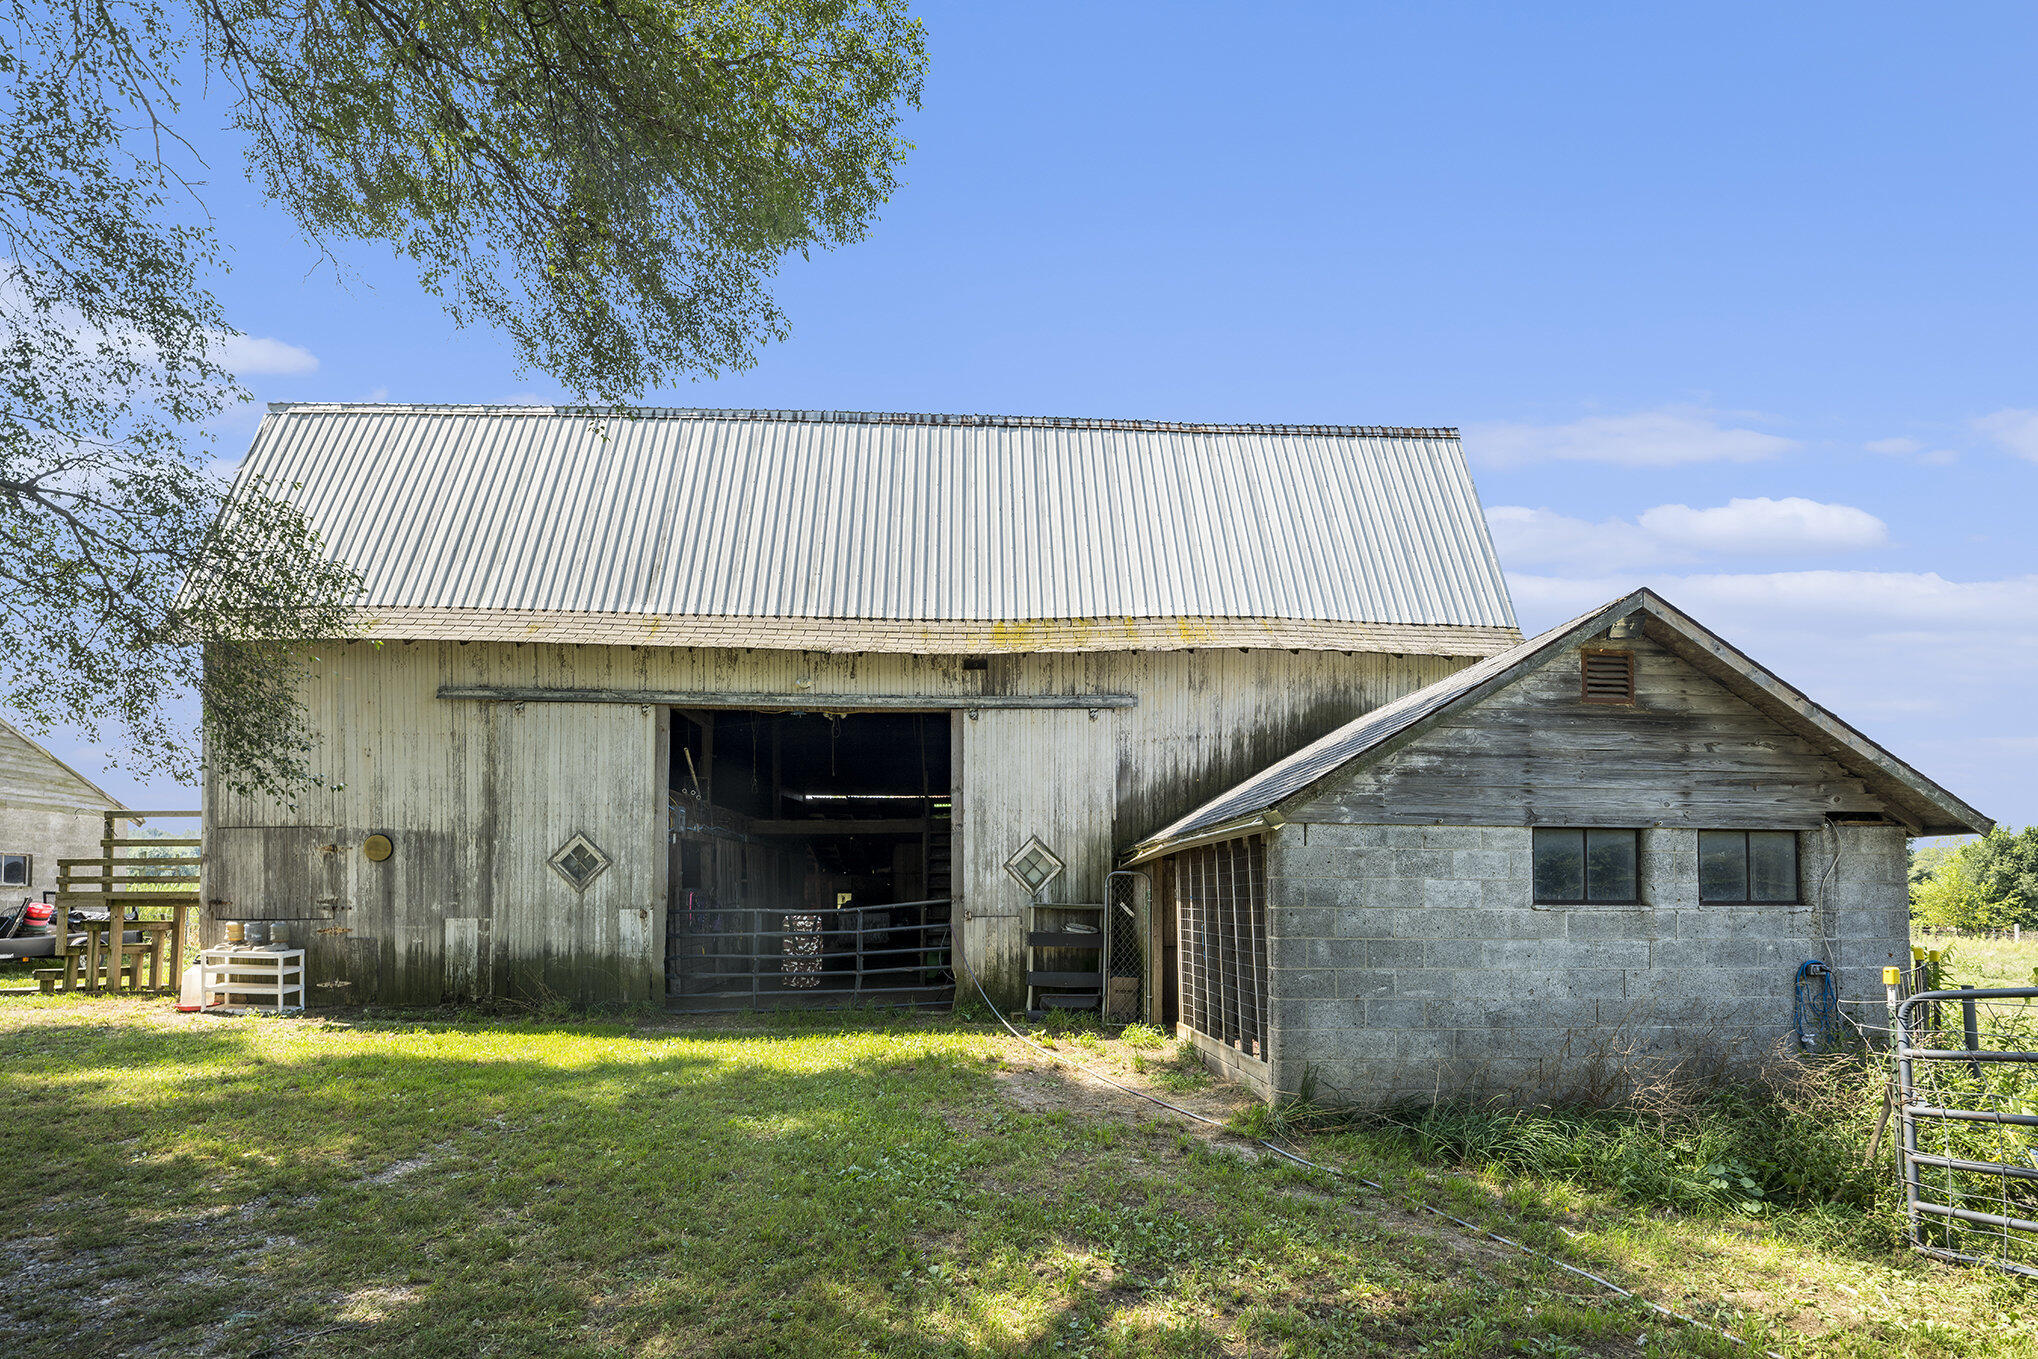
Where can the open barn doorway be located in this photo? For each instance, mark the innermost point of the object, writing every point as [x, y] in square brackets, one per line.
[810, 859]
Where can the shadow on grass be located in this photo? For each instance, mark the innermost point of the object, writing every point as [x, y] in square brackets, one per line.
[446, 1188]
[800, 1187]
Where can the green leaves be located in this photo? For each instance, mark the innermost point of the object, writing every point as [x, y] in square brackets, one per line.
[1990, 883]
[611, 185]
[110, 355]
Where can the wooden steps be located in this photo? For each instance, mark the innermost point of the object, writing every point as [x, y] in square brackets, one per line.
[1064, 965]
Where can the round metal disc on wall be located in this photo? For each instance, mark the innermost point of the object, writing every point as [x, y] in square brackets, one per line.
[378, 847]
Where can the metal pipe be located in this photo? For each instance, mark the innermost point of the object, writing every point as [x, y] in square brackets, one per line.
[1979, 1167]
[1907, 1126]
[1976, 1116]
[2021, 1224]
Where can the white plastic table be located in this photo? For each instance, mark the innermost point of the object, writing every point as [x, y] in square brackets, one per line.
[264, 978]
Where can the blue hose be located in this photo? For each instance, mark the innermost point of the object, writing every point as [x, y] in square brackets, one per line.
[1815, 1008]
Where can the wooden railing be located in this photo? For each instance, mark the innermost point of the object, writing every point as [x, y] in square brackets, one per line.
[161, 890]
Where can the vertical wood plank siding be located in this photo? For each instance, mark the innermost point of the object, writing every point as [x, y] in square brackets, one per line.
[479, 795]
[1219, 898]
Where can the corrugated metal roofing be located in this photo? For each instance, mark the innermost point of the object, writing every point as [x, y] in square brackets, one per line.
[881, 516]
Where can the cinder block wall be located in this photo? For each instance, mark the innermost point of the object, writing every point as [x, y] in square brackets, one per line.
[1412, 961]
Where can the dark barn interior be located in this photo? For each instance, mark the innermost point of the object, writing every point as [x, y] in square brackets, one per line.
[810, 858]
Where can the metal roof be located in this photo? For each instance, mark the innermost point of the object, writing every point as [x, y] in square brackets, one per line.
[806, 514]
[1937, 811]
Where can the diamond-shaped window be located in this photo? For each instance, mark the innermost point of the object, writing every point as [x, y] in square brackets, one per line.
[580, 862]
[1034, 866]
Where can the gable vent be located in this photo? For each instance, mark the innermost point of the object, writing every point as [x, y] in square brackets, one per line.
[1608, 676]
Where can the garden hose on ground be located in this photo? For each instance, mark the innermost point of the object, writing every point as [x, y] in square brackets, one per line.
[1336, 1173]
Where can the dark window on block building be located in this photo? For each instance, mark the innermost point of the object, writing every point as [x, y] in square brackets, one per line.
[1575, 866]
[1751, 866]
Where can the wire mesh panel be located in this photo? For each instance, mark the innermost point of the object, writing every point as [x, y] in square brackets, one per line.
[1127, 906]
[1220, 901]
[1967, 1086]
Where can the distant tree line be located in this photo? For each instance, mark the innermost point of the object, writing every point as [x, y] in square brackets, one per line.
[1990, 883]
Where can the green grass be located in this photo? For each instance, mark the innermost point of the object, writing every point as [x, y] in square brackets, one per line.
[456, 1186]
[1988, 962]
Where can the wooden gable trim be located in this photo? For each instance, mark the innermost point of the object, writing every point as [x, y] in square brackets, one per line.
[1931, 809]
[1934, 810]
[107, 802]
[1586, 628]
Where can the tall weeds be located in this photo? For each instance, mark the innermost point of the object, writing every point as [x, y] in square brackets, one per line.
[1794, 1138]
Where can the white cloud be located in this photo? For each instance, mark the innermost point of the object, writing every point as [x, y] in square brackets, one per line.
[1668, 437]
[261, 356]
[1543, 537]
[241, 355]
[1885, 604]
[1679, 534]
[1913, 450]
[2015, 430]
[1761, 525]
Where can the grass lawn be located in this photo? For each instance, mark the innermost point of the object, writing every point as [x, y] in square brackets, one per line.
[919, 1186]
[1988, 962]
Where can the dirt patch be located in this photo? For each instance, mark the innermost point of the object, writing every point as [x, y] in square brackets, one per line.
[397, 1170]
[1075, 1082]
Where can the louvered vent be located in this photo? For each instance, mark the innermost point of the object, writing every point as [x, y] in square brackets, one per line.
[1609, 676]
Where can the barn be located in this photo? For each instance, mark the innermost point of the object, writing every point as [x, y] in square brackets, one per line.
[1226, 725]
[727, 708]
[1619, 847]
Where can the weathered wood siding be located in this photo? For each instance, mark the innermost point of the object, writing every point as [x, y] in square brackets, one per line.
[1050, 774]
[479, 795]
[47, 812]
[1687, 753]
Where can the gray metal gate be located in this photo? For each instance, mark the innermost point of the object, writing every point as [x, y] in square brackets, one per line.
[1967, 1096]
[752, 958]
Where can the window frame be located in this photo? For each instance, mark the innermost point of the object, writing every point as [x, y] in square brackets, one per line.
[1584, 834]
[27, 870]
[1796, 897]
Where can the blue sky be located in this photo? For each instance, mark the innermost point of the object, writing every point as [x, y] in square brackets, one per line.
[1735, 301]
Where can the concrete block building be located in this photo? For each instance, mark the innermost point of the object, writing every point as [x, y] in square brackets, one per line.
[1605, 851]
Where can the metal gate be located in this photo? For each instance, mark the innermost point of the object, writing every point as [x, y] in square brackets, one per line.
[1967, 1095]
[752, 958]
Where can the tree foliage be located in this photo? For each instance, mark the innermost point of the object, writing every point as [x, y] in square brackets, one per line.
[1989, 883]
[611, 184]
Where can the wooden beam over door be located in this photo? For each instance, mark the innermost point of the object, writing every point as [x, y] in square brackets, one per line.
[806, 703]
[892, 826]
